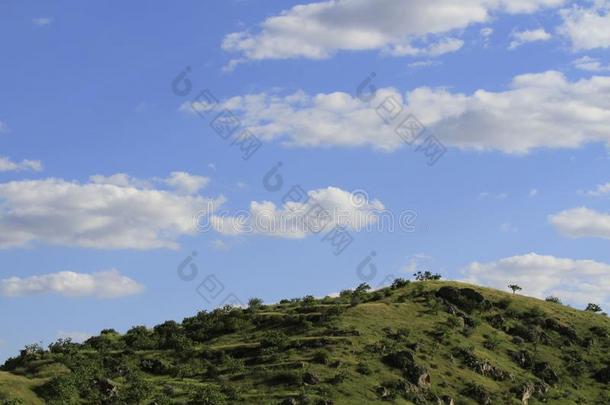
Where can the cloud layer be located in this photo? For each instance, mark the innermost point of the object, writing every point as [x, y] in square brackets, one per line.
[542, 110]
[318, 30]
[574, 281]
[103, 284]
[105, 213]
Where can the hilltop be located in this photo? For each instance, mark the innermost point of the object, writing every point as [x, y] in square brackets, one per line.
[427, 342]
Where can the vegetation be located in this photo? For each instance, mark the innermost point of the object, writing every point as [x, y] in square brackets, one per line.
[423, 342]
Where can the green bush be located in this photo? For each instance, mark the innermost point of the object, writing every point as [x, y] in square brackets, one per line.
[209, 394]
[60, 390]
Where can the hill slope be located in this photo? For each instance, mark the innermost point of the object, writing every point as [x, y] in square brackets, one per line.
[425, 342]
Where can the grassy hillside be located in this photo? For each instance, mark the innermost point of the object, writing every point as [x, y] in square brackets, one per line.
[428, 342]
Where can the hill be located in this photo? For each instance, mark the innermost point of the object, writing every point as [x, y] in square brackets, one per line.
[428, 342]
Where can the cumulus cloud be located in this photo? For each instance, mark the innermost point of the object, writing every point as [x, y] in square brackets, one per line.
[590, 64]
[103, 284]
[582, 222]
[540, 110]
[296, 220]
[111, 214]
[187, 183]
[600, 190]
[587, 27]
[318, 30]
[7, 165]
[574, 281]
[521, 37]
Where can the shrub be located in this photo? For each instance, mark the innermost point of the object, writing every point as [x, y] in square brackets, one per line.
[60, 390]
[209, 394]
[399, 283]
[363, 368]
[139, 338]
[255, 303]
[553, 299]
[137, 389]
[285, 378]
[321, 357]
[274, 339]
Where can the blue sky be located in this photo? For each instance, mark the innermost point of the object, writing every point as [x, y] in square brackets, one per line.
[103, 168]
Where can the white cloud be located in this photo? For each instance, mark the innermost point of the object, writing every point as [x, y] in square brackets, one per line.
[542, 110]
[590, 64]
[42, 21]
[296, 220]
[522, 37]
[600, 190]
[574, 281]
[3, 127]
[440, 47]
[582, 222]
[424, 63]
[76, 336]
[587, 27]
[533, 192]
[7, 165]
[103, 284]
[318, 30]
[486, 32]
[187, 183]
[182, 182]
[98, 214]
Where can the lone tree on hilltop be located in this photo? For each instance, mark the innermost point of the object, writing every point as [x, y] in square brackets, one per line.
[593, 308]
[514, 288]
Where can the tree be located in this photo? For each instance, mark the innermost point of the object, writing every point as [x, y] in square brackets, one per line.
[399, 283]
[593, 308]
[514, 288]
[363, 287]
[137, 389]
[255, 303]
[426, 276]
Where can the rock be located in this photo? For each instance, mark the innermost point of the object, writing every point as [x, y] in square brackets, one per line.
[311, 379]
[419, 376]
[526, 392]
[383, 392]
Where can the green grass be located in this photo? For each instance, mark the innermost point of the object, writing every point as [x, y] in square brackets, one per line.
[410, 319]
